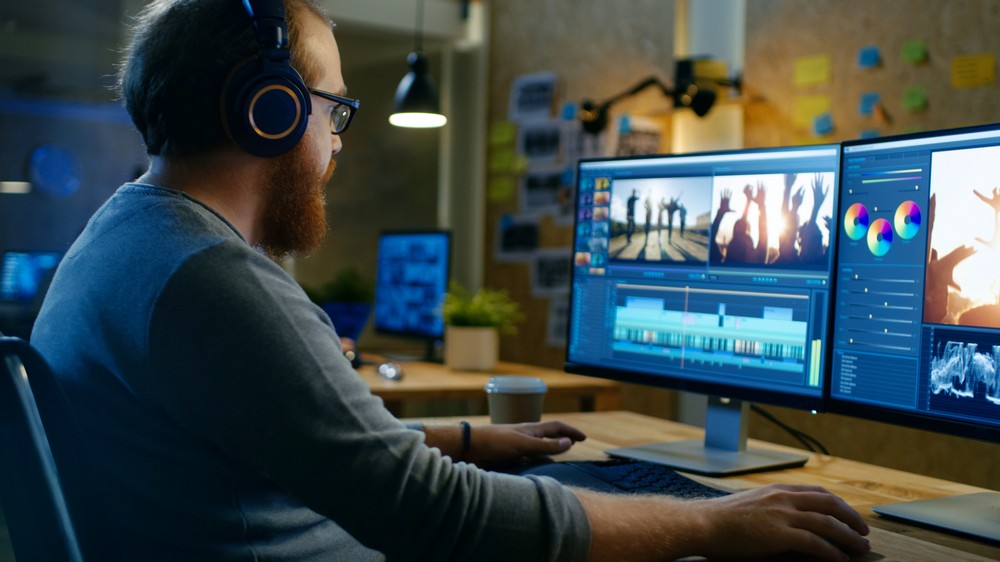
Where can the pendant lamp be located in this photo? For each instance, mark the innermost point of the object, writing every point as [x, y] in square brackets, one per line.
[416, 104]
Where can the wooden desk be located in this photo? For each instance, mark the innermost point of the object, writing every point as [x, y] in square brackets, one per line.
[433, 381]
[859, 484]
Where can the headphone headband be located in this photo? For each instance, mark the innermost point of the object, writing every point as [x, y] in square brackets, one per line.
[268, 18]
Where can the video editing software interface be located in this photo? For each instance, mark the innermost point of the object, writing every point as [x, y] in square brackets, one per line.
[707, 271]
[917, 313]
[411, 281]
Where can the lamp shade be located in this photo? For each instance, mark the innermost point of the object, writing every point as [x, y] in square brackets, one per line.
[416, 102]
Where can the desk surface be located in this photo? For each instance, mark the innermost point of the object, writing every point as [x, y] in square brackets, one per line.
[859, 484]
[435, 381]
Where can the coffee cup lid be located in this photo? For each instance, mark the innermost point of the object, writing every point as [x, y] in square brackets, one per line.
[515, 384]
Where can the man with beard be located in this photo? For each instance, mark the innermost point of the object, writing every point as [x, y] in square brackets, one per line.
[223, 420]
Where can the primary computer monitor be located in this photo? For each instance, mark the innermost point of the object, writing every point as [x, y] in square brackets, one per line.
[411, 281]
[708, 273]
[917, 315]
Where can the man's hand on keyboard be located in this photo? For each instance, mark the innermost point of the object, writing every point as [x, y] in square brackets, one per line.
[784, 518]
[767, 521]
[504, 445]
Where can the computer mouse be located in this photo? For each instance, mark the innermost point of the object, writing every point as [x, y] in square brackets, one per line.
[390, 371]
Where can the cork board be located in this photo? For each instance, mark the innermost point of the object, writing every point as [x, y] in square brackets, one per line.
[791, 42]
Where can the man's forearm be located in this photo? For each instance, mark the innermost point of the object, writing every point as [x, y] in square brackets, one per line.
[447, 438]
[625, 528]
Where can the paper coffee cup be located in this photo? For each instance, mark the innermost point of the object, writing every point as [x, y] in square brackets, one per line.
[514, 399]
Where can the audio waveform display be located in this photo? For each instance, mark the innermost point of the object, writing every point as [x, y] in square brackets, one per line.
[960, 370]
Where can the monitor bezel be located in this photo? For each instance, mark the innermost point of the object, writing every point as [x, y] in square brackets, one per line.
[448, 267]
[813, 403]
[881, 413]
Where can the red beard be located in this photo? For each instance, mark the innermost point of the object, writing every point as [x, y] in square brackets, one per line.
[294, 220]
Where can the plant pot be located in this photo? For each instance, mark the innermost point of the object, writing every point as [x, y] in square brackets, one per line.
[471, 348]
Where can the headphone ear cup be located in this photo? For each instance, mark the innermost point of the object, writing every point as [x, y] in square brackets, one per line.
[265, 107]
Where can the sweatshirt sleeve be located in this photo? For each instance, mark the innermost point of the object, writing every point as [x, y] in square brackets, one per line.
[239, 358]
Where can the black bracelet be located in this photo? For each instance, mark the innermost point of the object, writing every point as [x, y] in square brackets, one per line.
[466, 437]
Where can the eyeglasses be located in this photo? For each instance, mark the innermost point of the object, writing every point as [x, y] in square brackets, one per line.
[343, 110]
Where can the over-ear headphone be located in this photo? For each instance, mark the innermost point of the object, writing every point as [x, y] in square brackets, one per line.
[265, 103]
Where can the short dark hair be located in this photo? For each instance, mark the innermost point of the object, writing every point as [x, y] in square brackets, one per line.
[177, 62]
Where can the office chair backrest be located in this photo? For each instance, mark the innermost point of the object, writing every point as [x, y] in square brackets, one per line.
[34, 505]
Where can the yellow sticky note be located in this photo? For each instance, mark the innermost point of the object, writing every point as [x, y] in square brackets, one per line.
[807, 108]
[520, 164]
[810, 71]
[502, 133]
[970, 71]
[502, 160]
[500, 189]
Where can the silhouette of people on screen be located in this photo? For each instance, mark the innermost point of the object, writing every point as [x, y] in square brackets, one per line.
[742, 248]
[630, 216]
[649, 214]
[811, 248]
[682, 210]
[717, 251]
[671, 208]
[801, 243]
[994, 202]
[787, 251]
[660, 207]
[941, 274]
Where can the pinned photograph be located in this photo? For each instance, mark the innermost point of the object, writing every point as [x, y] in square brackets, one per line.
[538, 141]
[532, 96]
[517, 238]
[550, 271]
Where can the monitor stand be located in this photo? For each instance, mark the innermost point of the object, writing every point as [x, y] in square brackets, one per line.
[724, 451]
[977, 515]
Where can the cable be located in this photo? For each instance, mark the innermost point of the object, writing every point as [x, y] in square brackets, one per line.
[807, 440]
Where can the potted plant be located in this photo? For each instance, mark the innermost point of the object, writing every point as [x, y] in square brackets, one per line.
[347, 300]
[474, 324]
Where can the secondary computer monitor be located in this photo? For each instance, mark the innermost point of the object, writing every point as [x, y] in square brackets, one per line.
[24, 274]
[917, 315]
[411, 281]
[708, 273]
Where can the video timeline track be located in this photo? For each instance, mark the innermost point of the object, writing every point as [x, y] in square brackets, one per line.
[736, 347]
[763, 335]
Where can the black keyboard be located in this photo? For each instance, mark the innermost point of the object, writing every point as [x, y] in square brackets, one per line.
[625, 476]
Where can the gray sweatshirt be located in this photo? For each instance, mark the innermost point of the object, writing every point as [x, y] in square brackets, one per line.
[226, 424]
